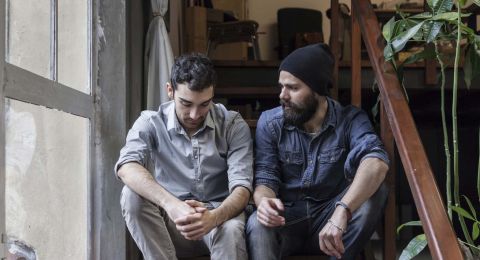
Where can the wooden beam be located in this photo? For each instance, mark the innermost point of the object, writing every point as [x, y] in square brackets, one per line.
[356, 90]
[389, 247]
[442, 240]
[335, 46]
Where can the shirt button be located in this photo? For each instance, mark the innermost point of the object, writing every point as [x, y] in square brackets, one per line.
[196, 157]
[310, 162]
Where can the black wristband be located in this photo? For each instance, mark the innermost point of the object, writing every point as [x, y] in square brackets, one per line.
[345, 206]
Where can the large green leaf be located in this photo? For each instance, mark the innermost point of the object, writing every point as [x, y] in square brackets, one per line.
[460, 211]
[476, 230]
[414, 247]
[471, 67]
[448, 16]
[410, 223]
[401, 40]
[424, 15]
[388, 29]
[388, 52]
[441, 6]
[470, 206]
[431, 30]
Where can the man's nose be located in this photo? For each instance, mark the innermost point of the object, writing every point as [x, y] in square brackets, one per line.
[283, 94]
[195, 113]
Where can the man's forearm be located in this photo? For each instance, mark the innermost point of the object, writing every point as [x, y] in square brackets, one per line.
[262, 191]
[370, 175]
[139, 179]
[232, 205]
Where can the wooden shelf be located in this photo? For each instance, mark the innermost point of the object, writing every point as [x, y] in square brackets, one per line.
[251, 92]
[246, 63]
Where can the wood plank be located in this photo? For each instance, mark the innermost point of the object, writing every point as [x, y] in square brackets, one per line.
[442, 240]
[247, 92]
[28, 87]
[335, 45]
[389, 246]
[356, 88]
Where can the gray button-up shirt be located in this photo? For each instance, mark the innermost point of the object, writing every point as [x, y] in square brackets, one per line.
[206, 166]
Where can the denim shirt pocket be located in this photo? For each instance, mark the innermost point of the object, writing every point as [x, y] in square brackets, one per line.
[291, 164]
[331, 175]
[331, 156]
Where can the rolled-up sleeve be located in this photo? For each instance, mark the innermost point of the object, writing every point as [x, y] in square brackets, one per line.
[364, 143]
[138, 145]
[266, 155]
[240, 155]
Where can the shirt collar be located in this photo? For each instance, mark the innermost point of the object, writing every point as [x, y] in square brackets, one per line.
[174, 124]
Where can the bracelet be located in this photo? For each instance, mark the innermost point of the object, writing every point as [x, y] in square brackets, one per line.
[335, 225]
[343, 205]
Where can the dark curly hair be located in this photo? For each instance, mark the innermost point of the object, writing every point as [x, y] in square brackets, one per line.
[195, 69]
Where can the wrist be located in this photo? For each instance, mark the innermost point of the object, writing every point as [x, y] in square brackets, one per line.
[345, 208]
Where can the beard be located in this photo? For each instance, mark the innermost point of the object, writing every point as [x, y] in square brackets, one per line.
[296, 114]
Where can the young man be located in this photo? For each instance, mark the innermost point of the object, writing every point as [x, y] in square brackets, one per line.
[319, 168]
[187, 171]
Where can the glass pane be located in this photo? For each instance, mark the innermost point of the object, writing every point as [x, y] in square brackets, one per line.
[28, 35]
[73, 44]
[46, 182]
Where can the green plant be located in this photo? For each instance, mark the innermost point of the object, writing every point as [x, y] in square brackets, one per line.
[437, 26]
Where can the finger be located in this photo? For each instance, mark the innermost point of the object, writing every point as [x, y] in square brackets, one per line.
[193, 235]
[265, 220]
[323, 247]
[194, 203]
[200, 209]
[189, 228]
[331, 247]
[271, 214]
[187, 219]
[278, 204]
[339, 243]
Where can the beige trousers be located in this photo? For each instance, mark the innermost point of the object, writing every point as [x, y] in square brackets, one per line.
[157, 237]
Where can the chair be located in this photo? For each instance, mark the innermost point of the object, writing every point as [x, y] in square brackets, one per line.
[297, 25]
[237, 31]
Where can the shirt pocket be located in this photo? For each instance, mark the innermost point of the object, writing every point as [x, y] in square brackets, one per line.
[331, 156]
[291, 164]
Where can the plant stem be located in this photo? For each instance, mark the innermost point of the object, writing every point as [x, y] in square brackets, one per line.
[445, 134]
[456, 193]
[478, 171]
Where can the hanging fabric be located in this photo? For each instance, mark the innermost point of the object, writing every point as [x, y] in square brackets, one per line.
[158, 57]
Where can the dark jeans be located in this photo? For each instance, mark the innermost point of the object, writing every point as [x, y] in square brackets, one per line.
[303, 222]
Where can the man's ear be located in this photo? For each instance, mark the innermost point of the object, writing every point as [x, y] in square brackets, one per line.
[169, 90]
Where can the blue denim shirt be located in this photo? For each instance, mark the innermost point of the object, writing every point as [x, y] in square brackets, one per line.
[298, 165]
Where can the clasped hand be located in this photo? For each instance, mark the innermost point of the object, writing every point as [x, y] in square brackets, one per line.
[268, 212]
[192, 219]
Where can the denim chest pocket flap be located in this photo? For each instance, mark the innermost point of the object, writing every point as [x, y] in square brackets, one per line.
[331, 156]
[291, 157]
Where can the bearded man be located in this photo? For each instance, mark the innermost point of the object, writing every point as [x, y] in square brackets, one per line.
[319, 168]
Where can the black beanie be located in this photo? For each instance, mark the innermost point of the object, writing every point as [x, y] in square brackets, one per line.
[312, 64]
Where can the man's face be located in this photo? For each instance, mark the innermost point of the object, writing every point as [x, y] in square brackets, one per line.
[191, 107]
[298, 101]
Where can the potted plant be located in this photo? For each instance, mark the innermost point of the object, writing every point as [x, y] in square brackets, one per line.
[441, 26]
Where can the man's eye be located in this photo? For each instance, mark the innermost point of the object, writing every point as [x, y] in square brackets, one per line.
[205, 104]
[186, 104]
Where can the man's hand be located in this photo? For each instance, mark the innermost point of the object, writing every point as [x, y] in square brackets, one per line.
[195, 226]
[268, 212]
[179, 209]
[330, 238]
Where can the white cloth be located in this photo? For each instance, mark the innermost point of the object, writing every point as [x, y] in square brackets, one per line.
[158, 57]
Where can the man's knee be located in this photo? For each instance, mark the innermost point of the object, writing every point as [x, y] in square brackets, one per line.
[131, 203]
[233, 229]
